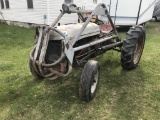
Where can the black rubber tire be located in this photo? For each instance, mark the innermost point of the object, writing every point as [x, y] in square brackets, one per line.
[33, 72]
[143, 24]
[90, 75]
[133, 47]
[155, 18]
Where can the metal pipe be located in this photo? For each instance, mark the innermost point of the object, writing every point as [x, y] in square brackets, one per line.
[110, 7]
[35, 56]
[94, 43]
[43, 52]
[139, 12]
[55, 74]
[86, 23]
[87, 56]
[111, 45]
[116, 13]
[55, 63]
[32, 61]
[113, 25]
[81, 11]
[53, 78]
[37, 50]
[58, 18]
[49, 75]
[38, 44]
[72, 5]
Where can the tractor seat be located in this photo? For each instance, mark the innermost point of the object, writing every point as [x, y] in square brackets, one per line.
[105, 28]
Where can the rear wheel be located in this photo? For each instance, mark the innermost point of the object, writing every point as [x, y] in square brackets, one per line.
[89, 80]
[155, 18]
[143, 24]
[133, 47]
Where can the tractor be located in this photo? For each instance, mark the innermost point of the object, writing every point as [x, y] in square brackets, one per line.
[58, 49]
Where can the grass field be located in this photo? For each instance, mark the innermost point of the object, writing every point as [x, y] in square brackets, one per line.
[122, 95]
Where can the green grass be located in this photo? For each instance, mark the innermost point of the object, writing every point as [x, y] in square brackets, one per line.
[122, 95]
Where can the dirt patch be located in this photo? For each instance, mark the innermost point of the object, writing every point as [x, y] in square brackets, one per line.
[156, 30]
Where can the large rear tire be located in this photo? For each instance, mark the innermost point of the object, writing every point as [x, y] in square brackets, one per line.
[155, 18]
[89, 80]
[132, 48]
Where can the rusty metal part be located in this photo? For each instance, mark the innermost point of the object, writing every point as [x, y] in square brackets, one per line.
[53, 78]
[138, 50]
[94, 42]
[105, 28]
[99, 10]
[43, 52]
[55, 63]
[38, 53]
[58, 18]
[112, 45]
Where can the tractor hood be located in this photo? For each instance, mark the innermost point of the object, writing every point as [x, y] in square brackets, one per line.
[71, 31]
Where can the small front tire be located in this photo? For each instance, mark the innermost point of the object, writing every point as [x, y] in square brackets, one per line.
[89, 80]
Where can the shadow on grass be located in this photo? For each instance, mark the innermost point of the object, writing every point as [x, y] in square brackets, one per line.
[122, 92]
[127, 95]
[125, 90]
[39, 95]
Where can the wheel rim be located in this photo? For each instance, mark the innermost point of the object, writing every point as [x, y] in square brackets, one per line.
[138, 50]
[95, 82]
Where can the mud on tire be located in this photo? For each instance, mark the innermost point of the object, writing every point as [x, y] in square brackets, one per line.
[132, 48]
[89, 80]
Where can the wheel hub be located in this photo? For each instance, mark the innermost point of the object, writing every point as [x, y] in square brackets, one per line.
[95, 81]
[138, 50]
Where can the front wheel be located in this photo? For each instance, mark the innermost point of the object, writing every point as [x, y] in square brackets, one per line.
[133, 47]
[89, 80]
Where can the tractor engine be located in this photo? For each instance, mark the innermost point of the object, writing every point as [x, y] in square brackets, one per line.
[49, 59]
[56, 46]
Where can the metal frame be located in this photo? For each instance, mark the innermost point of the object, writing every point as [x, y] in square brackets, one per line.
[139, 12]
[37, 55]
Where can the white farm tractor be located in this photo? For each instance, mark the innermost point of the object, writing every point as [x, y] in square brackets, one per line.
[59, 49]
